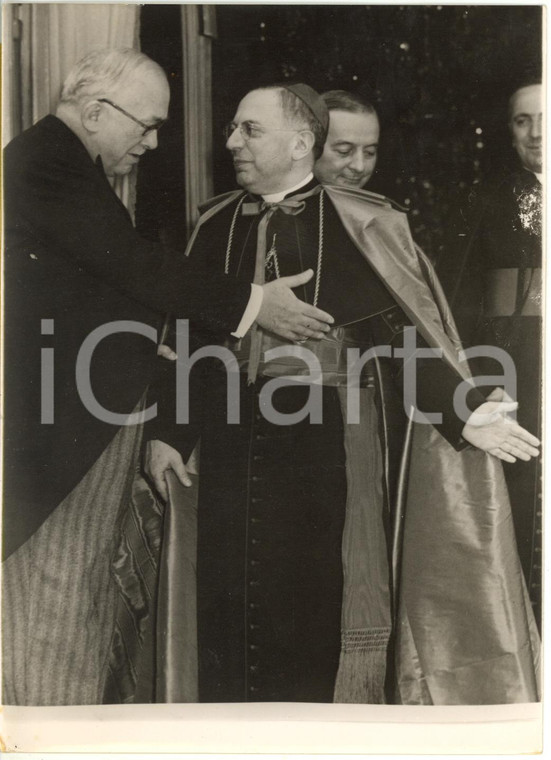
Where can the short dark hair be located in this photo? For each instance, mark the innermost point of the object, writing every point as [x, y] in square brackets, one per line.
[341, 100]
[297, 112]
[528, 82]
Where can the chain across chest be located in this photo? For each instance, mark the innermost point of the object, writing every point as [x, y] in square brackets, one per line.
[271, 262]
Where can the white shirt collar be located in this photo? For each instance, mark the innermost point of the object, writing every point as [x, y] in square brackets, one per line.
[276, 197]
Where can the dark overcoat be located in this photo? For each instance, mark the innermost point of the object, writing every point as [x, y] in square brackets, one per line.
[494, 282]
[73, 256]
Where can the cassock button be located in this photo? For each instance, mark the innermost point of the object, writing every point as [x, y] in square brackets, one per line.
[254, 562]
[253, 668]
[255, 541]
[258, 458]
[255, 478]
[253, 647]
[254, 583]
[252, 606]
[253, 688]
[256, 499]
[255, 519]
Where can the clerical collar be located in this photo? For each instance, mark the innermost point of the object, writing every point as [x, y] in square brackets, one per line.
[276, 197]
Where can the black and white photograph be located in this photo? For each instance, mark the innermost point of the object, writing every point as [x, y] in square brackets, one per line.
[272, 356]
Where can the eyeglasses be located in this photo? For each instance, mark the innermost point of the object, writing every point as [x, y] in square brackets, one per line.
[147, 128]
[249, 131]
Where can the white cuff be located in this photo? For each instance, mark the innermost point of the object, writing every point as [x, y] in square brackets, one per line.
[251, 312]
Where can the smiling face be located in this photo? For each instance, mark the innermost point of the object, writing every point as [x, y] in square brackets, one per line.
[120, 141]
[525, 122]
[350, 151]
[263, 144]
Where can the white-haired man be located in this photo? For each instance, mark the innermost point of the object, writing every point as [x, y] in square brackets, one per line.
[84, 294]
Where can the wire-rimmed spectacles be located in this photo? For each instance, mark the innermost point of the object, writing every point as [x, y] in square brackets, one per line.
[249, 130]
[147, 128]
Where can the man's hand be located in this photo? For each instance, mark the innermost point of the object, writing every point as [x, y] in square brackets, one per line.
[166, 352]
[489, 429]
[286, 315]
[160, 457]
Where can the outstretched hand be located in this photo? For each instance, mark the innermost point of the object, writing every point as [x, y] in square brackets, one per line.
[490, 429]
[289, 317]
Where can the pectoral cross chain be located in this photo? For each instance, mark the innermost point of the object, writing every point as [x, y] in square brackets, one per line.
[271, 264]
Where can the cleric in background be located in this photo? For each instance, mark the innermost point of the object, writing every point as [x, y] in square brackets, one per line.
[495, 289]
[350, 152]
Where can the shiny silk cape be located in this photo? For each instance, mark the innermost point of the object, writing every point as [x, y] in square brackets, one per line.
[464, 631]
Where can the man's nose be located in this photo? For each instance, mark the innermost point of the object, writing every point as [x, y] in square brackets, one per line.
[357, 162]
[536, 127]
[150, 140]
[235, 140]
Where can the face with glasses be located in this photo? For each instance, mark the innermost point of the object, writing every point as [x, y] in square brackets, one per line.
[125, 123]
[266, 149]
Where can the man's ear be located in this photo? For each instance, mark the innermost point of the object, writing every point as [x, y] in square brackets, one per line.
[90, 116]
[304, 144]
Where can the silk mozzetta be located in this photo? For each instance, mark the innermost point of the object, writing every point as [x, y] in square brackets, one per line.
[463, 632]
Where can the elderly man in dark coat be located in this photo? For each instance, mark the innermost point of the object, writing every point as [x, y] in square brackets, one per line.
[84, 294]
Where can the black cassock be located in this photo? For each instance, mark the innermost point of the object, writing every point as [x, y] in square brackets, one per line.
[495, 290]
[272, 497]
